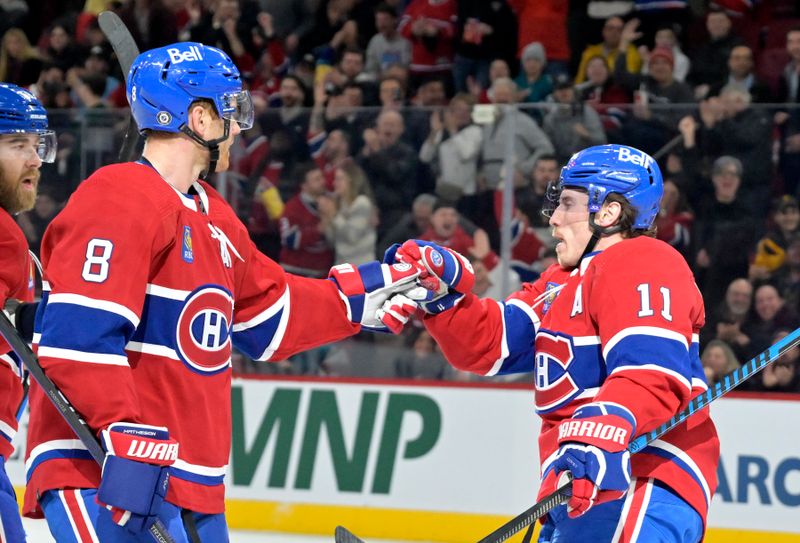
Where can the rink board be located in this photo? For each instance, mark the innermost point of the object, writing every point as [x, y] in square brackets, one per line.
[432, 462]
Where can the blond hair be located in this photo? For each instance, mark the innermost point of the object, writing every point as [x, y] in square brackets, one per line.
[28, 51]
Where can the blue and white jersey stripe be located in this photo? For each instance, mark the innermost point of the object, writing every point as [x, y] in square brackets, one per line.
[520, 324]
[669, 451]
[55, 449]
[649, 348]
[261, 336]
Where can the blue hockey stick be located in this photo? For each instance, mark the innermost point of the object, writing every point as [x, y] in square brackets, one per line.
[563, 493]
[728, 383]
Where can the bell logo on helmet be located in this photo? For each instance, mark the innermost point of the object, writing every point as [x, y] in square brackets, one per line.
[163, 117]
[177, 56]
[640, 159]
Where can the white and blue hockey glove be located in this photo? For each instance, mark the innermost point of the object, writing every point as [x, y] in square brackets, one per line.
[135, 473]
[593, 447]
[365, 288]
[447, 275]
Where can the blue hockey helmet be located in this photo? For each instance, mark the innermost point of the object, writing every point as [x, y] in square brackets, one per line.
[629, 172]
[165, 81]
[22, 113]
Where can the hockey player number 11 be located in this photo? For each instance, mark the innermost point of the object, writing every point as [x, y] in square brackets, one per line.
[647, 309]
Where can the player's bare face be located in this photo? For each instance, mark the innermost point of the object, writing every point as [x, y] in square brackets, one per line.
[19, 171]
[570, 222]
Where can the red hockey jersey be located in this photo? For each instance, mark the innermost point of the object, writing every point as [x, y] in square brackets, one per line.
[304, 248]
[434, 54]
[622, 327]
[16, 281]
[147, 288]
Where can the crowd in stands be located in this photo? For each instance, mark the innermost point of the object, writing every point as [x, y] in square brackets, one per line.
[380, 121]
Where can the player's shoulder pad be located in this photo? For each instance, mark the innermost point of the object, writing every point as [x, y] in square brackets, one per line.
[124, 190]
[555, 274]
[10, 229]
[641, 254]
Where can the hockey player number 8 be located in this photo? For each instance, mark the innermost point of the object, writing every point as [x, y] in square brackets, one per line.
[646, 309]
[98, 252]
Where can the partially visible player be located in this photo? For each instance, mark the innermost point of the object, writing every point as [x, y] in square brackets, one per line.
[25, 142]
[150, 277]
[611, 333]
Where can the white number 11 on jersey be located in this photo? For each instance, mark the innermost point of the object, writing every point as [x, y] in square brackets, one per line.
[647, 309]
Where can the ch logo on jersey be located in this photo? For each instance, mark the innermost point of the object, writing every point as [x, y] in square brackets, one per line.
[554, 384]
[203, 333]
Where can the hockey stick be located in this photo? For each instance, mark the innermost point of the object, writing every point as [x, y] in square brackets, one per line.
[562, 493]
[722, 387]
[667, 147]
[343, 535]
[75, 421]
[126, 50]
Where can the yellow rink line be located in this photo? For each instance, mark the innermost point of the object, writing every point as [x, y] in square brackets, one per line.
[411, 525]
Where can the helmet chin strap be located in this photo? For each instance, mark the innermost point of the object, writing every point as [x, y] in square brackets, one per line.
[597, 233]
[211, 145]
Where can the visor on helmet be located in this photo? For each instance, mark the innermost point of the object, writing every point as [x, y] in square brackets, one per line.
[48, 145]
[238, 106]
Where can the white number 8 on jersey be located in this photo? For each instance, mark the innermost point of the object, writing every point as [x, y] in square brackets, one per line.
[98, 252]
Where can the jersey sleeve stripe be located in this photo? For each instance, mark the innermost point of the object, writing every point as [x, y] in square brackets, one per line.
[12, 363]
[104, 305]
[7, 431]
[83, 356]
[520, 324]
[204, 475]
[264, 315]
[164, 292]
[585, 341]
[64, 327]
[195, 478]
[699, 383]
[669, 451]
[152, 349]
[657, 368]
[277, 337]
[504, 351]
[527, 310]
[262, 335]
[57, 448]
[642, 331]
[208, 471]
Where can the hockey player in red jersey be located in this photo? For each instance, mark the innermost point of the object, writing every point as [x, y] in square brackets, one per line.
[150, 278]
[25, 142]
[611, 334]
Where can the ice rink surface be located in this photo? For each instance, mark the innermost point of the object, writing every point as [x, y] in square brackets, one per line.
[38, 533]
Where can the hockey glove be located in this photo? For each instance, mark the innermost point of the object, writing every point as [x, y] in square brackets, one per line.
[135, 473]
[365, 288]
[451, 273]
[593, 448]
[397, 311]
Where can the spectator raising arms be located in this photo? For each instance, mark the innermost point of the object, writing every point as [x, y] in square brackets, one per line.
[611, 47]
